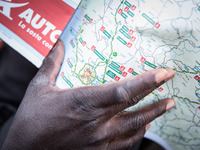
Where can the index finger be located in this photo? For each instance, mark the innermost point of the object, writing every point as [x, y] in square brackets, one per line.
[122, 92]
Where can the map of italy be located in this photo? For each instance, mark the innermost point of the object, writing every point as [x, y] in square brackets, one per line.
[110, 40]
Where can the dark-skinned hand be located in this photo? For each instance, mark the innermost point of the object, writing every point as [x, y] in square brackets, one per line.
[86, 117]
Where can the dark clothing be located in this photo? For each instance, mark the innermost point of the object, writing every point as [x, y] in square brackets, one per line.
[15, 74]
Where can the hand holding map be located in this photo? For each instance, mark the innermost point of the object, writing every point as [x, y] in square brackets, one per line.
[109, 41]
[84, 117]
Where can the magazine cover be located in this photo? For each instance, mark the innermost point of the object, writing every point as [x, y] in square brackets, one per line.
[32, 27]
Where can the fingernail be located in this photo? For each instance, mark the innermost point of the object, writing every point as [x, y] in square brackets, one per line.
[161, 75]
[147, 126]
[170, 74]
[56, 44]
[170, 104]
[165, 75]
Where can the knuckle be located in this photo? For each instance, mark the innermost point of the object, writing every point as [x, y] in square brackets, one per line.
[49, 58]
[141, 120]
[159, 110]
[84, 104]
[146, 84]
[135, 99]
[48, 62]
[122, 94]
[43, 75]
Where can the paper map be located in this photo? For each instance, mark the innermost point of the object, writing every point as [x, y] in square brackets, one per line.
[109, 40]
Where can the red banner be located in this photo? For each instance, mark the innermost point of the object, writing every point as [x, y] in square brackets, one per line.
[37, 22]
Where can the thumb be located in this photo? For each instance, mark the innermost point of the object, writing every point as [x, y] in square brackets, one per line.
[52, 63]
